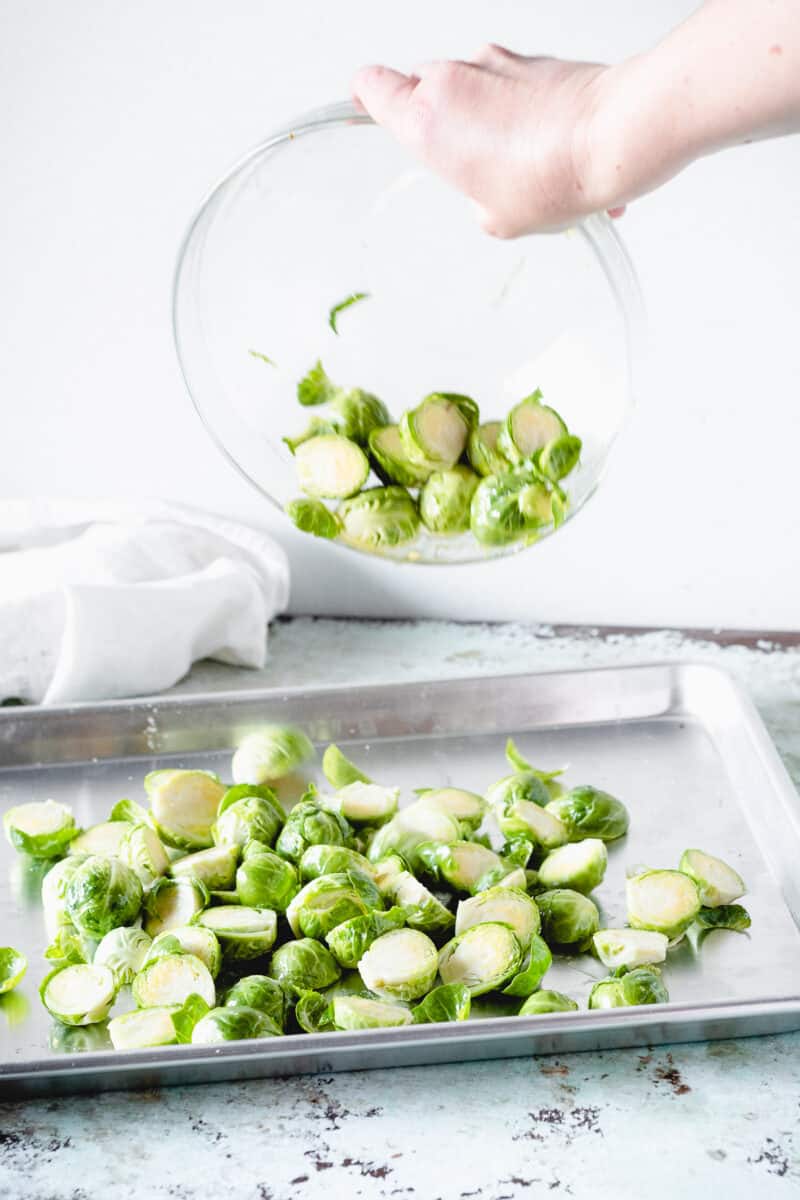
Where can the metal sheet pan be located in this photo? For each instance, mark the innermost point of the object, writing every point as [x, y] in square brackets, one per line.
[679, 743]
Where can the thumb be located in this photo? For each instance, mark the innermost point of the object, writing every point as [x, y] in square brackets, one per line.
[384, 94]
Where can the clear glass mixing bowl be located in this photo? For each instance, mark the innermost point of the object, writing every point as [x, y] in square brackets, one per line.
[331, 205]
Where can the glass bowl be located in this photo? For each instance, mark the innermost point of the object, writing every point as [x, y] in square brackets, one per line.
[331, 206]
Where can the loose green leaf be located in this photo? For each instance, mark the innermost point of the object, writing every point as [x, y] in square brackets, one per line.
[353, 298]
[725, 916]
[315, 387]
[312, 516]
[264, 358]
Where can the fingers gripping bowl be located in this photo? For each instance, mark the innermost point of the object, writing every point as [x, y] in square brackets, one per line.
[327, 245]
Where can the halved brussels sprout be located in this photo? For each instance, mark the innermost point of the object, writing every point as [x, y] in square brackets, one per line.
[517, 877]
[589, 813]
[516, 815]
[569, 920]
[316, 387]
[69, 945]
[262, 993]
[184, 805]
[162, 1026]
[362, 1012]
[578, 865]
[547, 1001]
[304, 966]
[331, 467]
[233, 1025]
[560, 456]
[448, 1002]
[643, 985]
[630, 947]
[314, 1012]
[54, 892]
[517, 850]
[435, 432]
[421, 908]
[482, 450]
[468, 808]
[328, 900]
[525, 784]
[400, 965]
[444, 502]
[465, 866]
[350, 940]
[215, 868]
[483, 959]
[104, 839]
[250, 819]
[13, 966]
[270, 753]
[509, 906]
[330, 860]
[241, 791]
[79, 994]
[412, 826]
[310, 825]
[716, 882]
[363, 803]
[664, 901]
[42, 829]
[265, 880]
[242, 932]
[390, 461]
[172, 903]
[379, 516]
[529, 426]
[102, 894]
[188, 939]
[535, 965]
[339, 770]
[171, 979]
[312, 516]
[141, 850]
[724, 916]
[356, 414]
[386, 870]
[124, 950]
[512, 506]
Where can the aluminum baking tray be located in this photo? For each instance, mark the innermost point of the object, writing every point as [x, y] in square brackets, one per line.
[680, 744]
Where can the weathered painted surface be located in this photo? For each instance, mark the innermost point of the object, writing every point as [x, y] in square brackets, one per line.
[720, 1118]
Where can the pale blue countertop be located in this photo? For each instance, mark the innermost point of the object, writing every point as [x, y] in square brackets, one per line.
[715, 1119]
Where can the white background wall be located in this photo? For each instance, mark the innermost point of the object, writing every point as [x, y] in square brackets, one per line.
[114, 118]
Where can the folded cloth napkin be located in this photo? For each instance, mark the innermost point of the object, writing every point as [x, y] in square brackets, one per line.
[109, 599]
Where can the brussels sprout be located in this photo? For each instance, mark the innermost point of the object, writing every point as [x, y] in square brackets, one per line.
[104, 839]
[42, 829]
[188, 939]
[13, 966]
[519, 816]
[483, 959]
[69, 945]
[102, 894]
[330, 860]
[315, 387]
[589, 813]
[271, 753]
[724, 916]
[717, 883]
[378, 517]
[436, 431]
[569, 920]
[550, 779]
[184, 805]
[517, 877]
[124, 951]
[529, 426]
[468, 808]
[546, 1001]
[54, 892]
[465, 866]
[262, 993]
[517, 851]
[350, 940]
[215, 868]
[578, 865]
[535, 965]
[339, 770]
[444, 502]
[171, 903]
[233, 1025]
[362, 1012]
[131, 812]
[310, 825]
[482, 450]
[330, 466]
[448, 1002]
[560, 456]
[304, 966]
[400, 965]
[314, 1013]
[664, 901]
[141, 850]
[363, 803]
[171, 979]
[241, 791]
[249, 819]
[386, 870]
[356, 414]
[328, 900]
[421, 908]
[390, 461]
[311, 516]
[411, 827]
[265, 880]
[629, 947]
[242, 932]
[79, 994]
[165, 1025]
[509, 906]
[642, 985]
[512, 506]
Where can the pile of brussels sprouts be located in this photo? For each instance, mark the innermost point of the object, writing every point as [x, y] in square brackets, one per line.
[214, 915]
[439, 468]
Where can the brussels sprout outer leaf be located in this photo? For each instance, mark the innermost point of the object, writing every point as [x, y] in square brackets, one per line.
[448, 1002]
[545, 1001]
[311, 516]
[348, 302]
[314, 1012]
[315, 387]
[724, 916]
[339, 770]
[536, 965]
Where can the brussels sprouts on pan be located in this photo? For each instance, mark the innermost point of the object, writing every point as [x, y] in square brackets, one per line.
[310, 825]
[13, 966]
[578, 865]
[724, 916]
[435, 432]
[184, 805]
[250, 819]
[547, 1001]
[664, 901]
[54, 892]
[510, 906]
[468, 808]
[362, 1012]
[400, 965]
[330, 860]
[630, 947]
[535, 965]
[124, 950]
[79, 994]
[339, 770]
[304, 966]
[363, 803]
[560, 456]
[262, 993]
[311, 516]
[378, 517]
[265, 880]
[482, 450]
[589, 813]
[314, 1013]
[104, 839]
[422, 909]
[350, 940]
[327, 901]
[483, 959]
[465, 866]
[141, 850]
[448, 1002]
[642, 985]
[41, 829]
[171, 903]
[164, 1025]
[269, 754]
[233, 1025]
[330, 466]
[444, 502]
[569, 920]
[390, 461]
[529, 426]
[102, 894]
[716, 882]
[188, 939]
[518, 816]
[215, 868]
[511, 507]
[242, 932]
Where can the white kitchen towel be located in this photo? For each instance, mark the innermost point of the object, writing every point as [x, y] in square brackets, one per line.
[107, 599]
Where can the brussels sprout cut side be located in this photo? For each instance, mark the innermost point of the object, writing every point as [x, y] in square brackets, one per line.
[509, 906]
[188, 939]
[629, 947]
[242, 932]
[13, 966]
[124, 951]
[42, 829]
[164, 1025]
[390, 461]
[483, 959]
[330, 466]
[664, 901]
[79, 994]
[435, 433]
[529, 426]
[104, 839]
[184, 805]
[361, 1012]
[171, 903]
[716, 882]
[171, 979]
[579, 865]
[400, 965]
